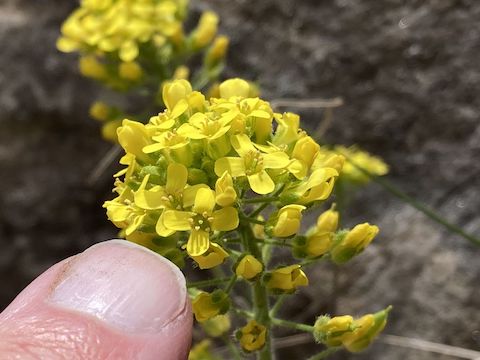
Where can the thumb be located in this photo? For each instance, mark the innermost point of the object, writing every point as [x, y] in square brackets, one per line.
[116, 300]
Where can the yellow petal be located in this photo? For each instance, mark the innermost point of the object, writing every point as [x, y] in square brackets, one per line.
[160, 227]
[137, 221]
[198, 243]
[234, 87]
[190, 192]
[276, 160]
[204, 201]
[235, 166]
[177, 175]
[242, 144]
[261, 183]
[225, 219]
[177, 220]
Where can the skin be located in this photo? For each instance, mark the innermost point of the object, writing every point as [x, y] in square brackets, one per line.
[116, 300]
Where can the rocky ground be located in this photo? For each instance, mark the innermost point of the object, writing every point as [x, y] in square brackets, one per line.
[409, 75]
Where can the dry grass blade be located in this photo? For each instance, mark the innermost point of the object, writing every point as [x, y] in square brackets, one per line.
[103, 165]
[423, 345]
[307, 103]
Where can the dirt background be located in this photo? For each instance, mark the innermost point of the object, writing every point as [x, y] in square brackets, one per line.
[410, 76]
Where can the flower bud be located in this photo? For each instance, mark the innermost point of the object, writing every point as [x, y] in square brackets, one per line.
[305, 150]
[217, 51]
[109, 130]
[366, 329]
[353, 242]
[217, 326]
[286, 279]
[207, 305]
[202, 351]
[214, 256]
[328, 221]
[197, 176]
[248, 267]
[286, 221]
[99, 111]
[181, 73]
[130, 71]
[90, 67]
[234, 87]
[332, 331]
[252, 336]
[133, 137]
[225, 192]
[175, 91]
[206, 29]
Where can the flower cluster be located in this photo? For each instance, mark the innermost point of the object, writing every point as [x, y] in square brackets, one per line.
[226, 179]
[137, 45]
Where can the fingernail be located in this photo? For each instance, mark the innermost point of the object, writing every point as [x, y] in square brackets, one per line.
[124, 285]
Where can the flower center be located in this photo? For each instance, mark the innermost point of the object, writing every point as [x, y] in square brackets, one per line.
[253, 162]
[201, 222]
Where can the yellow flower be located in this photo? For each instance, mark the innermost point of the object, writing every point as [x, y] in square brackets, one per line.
[100, 111]
[224, 190]
[206, 29]
[332, 331]
[90, 67]
[355, 159]
[252, 163]
[287, 220]
[123, 212]
[200, 126]
[217, 51]
[305, 151]
[130, 71]
[214, 256]
[287, 279]
[207, 305]
[176, 195]
[173, 145]
[248, 267]
[366, 329]
[133, 137]
[252, 336]
[354, 242]
[201, 221]
[319, 239]
[318, 186]
[328, 159]
[174, 92]
[217, 326]
[287, 130]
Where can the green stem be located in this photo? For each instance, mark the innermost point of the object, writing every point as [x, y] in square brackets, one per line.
[243, 313]
[257, 211]
[207, 283]
[260, 295]
[262, 199]
[276, 242]
[278, 304]
[325, 353]
[231, 284]
[292, 325]
[417, 205]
